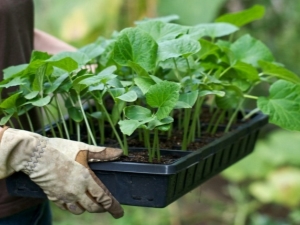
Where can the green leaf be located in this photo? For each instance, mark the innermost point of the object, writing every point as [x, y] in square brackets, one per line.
[161, 31]
[214, 30]
[81, 82]
[129, 96]
[69, 59]
[282, 105]
[56, 84]
[42, 101]
[183, 46]
[232, 98]
[279, 72]
[250, 50]
[136, 112]
[211, 92]
[207, 48]
[246, 71]
[75, 114]
[10, 102]
[92, 50]
[163, 96]
[17, 81]
[14, 71]
[32, 95]
[140, 71]
[136, 46]
[158, 123]
[244, 17]
[39, 56]
[128, 126]
[144, 83]
[116, 92]
[187, 100]
[96, 115]
[165, 19]
[5, 119]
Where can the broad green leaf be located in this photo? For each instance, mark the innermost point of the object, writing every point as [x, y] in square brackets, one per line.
[10, 102]
[144, 83]
[13, 71]
[92, 50]
[214, 30]
[79, 58]
[157, 123]
[129, 96]
[32, 95]
[140, 71]
[279, 72]
[207, 48]
[128, 126]
[187, 100]
[165, 19]
[79, 83]
[116, 92]
[38, 55]
[250, 50]
[244, 17]
[56, 84]
[68, 64]
[136, 46]
[75, 114]
[96, 115]
[5, 119]
[163, 96]
[136, 112]
[232, 98]
[41, 102]
[161, 31]
[282, 105]
[38, 82]
[17, 81]
[183, 46]
[246, 71]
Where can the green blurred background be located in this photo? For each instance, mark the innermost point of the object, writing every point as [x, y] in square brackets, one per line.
[264, 188]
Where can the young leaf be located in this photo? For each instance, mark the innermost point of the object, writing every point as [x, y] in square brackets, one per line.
[5, 119]
[129, 126]
[13, 71]
[136, 112]
[10, 102]
[243, 17]
[32, 95]
[17, 81]
[69, 60]
[144, 83]
[41, 102]
[279, 72]
[282, 105]
[161, 31]
[75, 114]
[165, 19]
[232, 98]
[92, 50]
[136, 46]
[183, 46]
[187, 100]
[157, 123]
[250, 50]
[163, 96]
[214, 30]
[246, 71]
[129, 96]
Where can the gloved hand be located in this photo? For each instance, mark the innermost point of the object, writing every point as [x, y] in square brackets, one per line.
[60, 168]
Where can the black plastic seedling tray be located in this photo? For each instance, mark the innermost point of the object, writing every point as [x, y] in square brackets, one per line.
[156, 185]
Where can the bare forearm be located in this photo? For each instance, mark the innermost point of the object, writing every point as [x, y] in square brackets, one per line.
[48, 43]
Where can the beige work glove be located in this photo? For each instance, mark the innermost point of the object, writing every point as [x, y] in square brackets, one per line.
[60, 168]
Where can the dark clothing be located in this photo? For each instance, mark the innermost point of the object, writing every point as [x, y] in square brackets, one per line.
[16, 44]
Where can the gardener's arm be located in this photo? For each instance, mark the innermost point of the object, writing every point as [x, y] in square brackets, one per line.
[48, 43]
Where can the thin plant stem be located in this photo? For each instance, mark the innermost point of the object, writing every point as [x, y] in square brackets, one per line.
[19, 122]
[114, 130]
[220, 118]
[212, 120]
[251, 113]
[147, 144]
[195, 119]
[39, 111]
[62, 117]
[49, 122]
[233, 117]
[86, 121]
[57, 123]
[29, 121]
[156, 144]
[186, 123]
[78, 131]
